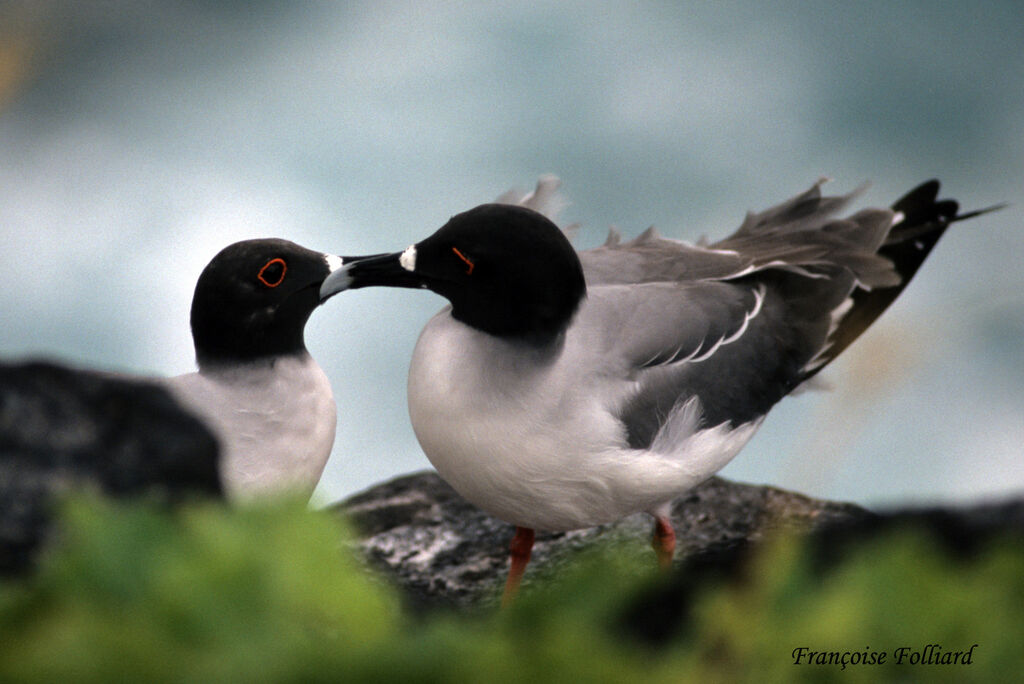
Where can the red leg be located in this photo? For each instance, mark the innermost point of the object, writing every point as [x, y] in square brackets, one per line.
[664, 542]
[519, 556]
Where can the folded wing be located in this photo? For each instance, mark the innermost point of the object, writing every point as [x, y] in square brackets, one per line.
[741, 322]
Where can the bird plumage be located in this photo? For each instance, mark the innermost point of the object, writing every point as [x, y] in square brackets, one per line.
[556, 404]
[274, 418]
[257, 388]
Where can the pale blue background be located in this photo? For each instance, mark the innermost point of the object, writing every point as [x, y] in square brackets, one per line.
[138, 138]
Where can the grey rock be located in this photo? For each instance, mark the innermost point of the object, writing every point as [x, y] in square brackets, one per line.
[443, 551]
[63, 430]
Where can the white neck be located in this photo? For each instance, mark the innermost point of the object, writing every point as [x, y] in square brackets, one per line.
[275, 421]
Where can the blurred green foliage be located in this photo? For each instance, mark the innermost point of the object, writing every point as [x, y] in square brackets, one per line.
[273, 593]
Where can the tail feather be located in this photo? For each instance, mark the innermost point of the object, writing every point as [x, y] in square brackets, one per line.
[545, 199]
[923, 219]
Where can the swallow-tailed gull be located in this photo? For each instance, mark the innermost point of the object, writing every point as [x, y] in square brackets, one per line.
[562, 390]
[265, 398]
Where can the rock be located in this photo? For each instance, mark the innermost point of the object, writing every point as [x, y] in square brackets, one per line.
[659, 614]
[63, 429]
[443, 551]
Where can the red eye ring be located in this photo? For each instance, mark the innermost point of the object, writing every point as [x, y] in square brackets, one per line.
[284, 269]
[465, 260]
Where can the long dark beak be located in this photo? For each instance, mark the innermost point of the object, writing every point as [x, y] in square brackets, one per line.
[365, 271]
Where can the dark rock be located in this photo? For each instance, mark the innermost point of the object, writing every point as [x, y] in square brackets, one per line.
[443, 551]
[662, 613]
[960, 532]
[63, 429]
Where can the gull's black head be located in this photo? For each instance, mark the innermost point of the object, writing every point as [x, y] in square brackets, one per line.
[507, 271]
[253, 300]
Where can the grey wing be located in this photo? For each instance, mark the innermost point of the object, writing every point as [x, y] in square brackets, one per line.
[728, 344]
[754, 315]
[800, 235]
[651, 258]
[740, 323]
[751, 314]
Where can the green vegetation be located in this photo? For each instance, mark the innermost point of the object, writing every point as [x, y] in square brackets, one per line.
[273, 593]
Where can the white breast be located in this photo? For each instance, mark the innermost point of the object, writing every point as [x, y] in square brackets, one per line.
[275, 421]
[519, 438]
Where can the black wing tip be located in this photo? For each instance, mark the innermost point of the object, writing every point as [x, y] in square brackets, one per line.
[922, 205]
[979, 212]
[925, 219]
[925, 193]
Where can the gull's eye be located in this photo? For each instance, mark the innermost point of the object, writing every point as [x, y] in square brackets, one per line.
[272, 273]
[464, 259]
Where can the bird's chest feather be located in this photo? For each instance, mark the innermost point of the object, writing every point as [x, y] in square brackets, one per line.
[276, 424]
[496, 431]
[461, 399]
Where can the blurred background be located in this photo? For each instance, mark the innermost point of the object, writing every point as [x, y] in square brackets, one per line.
[138, 138]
